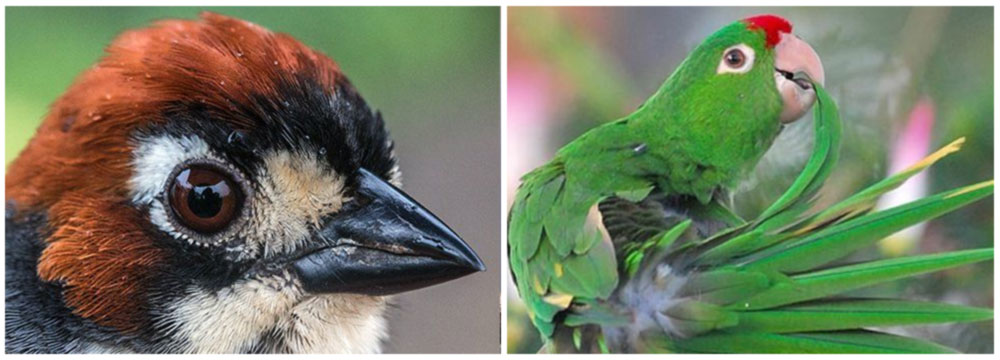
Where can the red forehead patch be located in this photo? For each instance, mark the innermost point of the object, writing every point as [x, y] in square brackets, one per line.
[772, 25]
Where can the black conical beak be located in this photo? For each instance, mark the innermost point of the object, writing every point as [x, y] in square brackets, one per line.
[386, 244]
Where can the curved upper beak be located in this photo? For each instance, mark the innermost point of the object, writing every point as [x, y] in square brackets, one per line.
[797, 67]
[387, 244]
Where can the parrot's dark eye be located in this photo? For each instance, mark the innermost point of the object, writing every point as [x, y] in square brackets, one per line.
[205, 199]
[736, 59]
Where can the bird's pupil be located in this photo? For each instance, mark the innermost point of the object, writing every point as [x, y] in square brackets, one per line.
[734, 58]
[205, 201]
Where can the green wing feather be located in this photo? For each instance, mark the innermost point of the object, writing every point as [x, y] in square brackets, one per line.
[557, 255]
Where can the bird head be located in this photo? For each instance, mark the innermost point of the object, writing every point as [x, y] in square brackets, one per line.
[756, 60]
[212, 186]
[730, 98]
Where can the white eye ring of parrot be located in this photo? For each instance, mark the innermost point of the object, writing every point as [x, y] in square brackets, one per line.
[736, 59]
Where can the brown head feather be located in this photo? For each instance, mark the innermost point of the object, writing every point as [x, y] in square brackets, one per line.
[76, 165]
[101, 254]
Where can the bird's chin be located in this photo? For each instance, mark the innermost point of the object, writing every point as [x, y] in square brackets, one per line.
[269, 311]
[797, 95]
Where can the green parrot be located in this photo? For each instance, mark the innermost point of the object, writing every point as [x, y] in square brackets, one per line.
[625, 241]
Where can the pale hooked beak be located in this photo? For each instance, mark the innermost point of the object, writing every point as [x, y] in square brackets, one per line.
[796, 67]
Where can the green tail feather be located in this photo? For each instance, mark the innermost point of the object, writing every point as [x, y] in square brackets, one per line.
[826, 151]
[834, 242]
[835, 342]
[841, 279]
[845, 314]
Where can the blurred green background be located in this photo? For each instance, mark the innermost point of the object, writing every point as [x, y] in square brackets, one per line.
[570, 69]
[432, 72]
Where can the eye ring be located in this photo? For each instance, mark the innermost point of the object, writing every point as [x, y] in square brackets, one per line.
[737, 59]
[207, 200]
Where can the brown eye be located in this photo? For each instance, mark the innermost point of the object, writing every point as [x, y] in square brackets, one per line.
[735, 58]
[205, 199]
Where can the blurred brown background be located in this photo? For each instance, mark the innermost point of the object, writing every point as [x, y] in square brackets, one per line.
[433, 72]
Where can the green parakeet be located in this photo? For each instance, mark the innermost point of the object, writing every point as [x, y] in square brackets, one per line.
[624, 241]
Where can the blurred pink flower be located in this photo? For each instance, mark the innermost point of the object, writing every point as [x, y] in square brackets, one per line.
[912, 145]
[528, 95]
[531, 106]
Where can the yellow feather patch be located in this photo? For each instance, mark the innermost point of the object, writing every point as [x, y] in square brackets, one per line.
[538, 285]
[560, 300]
[937, 155]
[848, 214]
[557, 267]
[971, 188]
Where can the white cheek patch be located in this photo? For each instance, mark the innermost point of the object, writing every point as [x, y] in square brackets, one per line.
[235, 318]
[154, 159]
[335, 324]
[295, 191]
